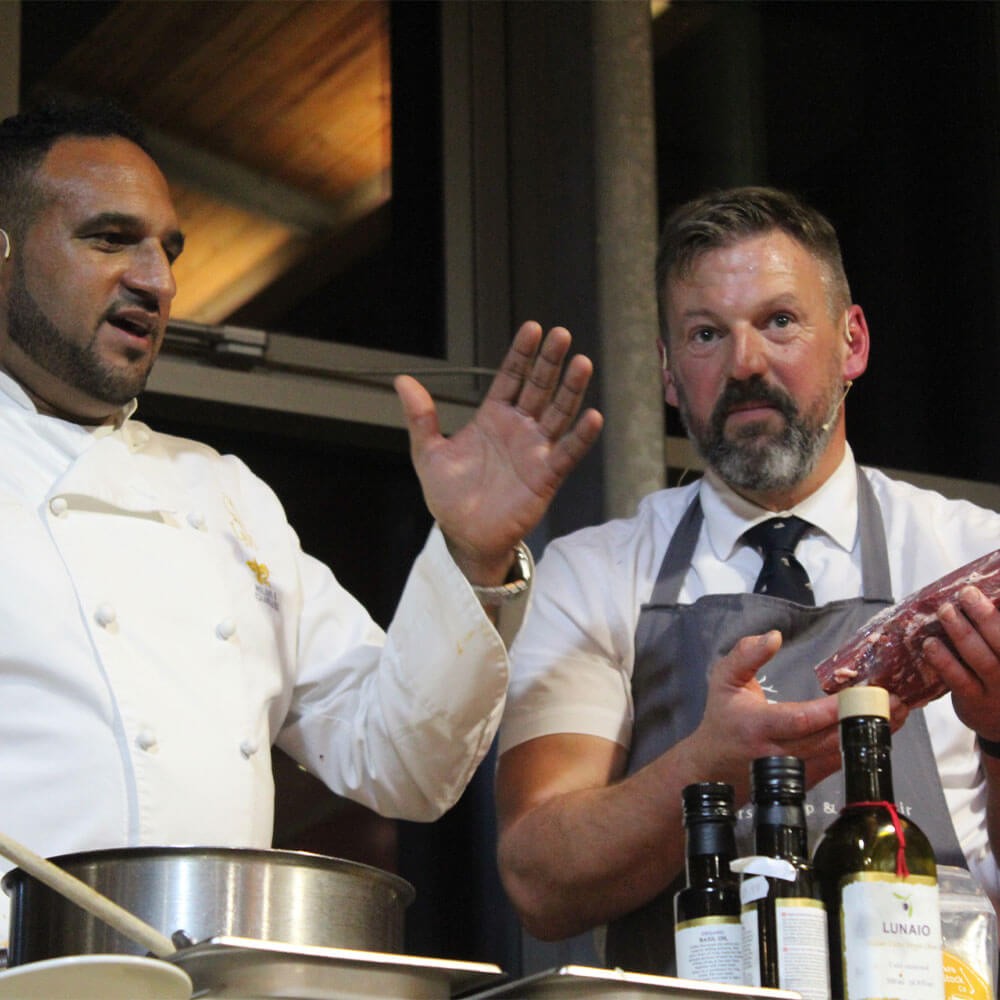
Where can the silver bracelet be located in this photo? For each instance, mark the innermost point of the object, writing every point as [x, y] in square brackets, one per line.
[521, 573]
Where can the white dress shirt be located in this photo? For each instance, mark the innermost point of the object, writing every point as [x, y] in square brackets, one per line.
[572, 661]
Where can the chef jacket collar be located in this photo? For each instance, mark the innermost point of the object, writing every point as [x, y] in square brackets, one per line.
[14, 393]
[833, 509]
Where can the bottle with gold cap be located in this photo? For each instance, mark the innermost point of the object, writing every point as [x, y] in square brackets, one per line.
[877, 871]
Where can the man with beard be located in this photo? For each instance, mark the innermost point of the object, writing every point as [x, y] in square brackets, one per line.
[659, 653]
[160, 627]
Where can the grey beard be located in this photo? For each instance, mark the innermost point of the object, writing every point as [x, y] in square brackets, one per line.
[74, 364]
[775, 463]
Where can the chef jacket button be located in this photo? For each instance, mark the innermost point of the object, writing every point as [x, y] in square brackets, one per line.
[59, 506]
[248, 748]
[226, 629]
[196, 519]
[146, 739]
[105, 615]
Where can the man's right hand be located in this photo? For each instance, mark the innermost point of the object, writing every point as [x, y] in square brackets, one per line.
[740, 724]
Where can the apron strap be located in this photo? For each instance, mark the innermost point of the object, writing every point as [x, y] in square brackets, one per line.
[876, 580]
[677, 559]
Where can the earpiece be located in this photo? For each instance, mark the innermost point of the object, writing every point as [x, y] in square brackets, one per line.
[847, 333]
[661, 346]
[6, 245]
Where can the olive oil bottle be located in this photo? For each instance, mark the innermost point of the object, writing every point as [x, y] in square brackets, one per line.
[707, 909]
[783, 918]
[877, 872]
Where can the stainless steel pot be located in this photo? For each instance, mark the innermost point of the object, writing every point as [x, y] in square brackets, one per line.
[289, 897]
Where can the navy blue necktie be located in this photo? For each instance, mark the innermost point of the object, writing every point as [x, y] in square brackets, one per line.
[782, 575]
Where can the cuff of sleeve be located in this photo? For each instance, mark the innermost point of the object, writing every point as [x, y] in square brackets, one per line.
[513, 605]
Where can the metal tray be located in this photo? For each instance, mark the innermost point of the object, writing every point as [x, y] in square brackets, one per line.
[583, 983]
[261, 970]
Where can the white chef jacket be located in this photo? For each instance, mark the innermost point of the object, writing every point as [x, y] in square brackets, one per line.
[572, 661]
[160, 628]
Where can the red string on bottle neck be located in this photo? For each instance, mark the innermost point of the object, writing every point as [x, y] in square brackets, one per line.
[902, 869]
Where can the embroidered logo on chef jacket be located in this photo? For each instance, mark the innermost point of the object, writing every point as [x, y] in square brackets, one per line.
[263, 590]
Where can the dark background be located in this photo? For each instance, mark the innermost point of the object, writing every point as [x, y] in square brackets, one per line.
[884, 115]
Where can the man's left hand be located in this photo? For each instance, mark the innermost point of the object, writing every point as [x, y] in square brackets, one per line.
[972, 625]
[489, 484]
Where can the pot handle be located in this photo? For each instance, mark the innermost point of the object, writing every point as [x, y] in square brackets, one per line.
[88, 898]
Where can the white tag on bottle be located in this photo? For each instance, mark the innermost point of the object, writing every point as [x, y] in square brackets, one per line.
[757, 864]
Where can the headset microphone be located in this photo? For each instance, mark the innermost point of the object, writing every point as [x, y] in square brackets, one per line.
[6, 245]
[847, 388]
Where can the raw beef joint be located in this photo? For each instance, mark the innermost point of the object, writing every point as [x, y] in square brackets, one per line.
[888, 650]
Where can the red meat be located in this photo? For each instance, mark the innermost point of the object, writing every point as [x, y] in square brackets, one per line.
[888, 650]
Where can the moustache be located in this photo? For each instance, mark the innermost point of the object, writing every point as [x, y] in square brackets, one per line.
[753, 390]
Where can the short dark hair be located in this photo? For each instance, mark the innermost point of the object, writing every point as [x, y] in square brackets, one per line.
[722, 218]
[26, 138]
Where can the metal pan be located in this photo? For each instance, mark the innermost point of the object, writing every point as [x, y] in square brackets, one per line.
[290, 897]
[252, 970]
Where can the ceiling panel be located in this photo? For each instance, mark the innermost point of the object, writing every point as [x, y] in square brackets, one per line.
[291, 100]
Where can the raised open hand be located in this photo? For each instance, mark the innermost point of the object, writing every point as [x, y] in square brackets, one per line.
[489, 484]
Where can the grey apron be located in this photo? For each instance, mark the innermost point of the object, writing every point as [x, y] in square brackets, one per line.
[675, 645]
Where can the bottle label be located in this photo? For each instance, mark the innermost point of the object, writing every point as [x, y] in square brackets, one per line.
[800, 947]
[750, 925]
[892, 937]
[803, 961]
[708, 949]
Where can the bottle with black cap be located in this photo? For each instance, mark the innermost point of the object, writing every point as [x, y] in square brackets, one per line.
[707, 909]
[877, 871]
[784, 921]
